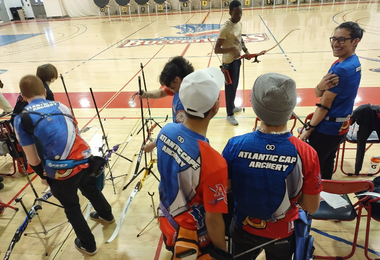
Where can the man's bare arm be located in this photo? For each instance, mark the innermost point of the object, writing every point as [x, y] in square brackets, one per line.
[310, 203]
[154, 94]
[215, 229]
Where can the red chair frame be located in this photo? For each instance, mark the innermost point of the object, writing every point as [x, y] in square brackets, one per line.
[344, 148]
[346, 187]
[368, 207]
[5, 128]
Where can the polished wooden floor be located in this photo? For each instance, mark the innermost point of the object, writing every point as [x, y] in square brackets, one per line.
[105, 54]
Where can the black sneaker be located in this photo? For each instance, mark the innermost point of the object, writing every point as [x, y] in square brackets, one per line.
[95, 217]
[78, 245]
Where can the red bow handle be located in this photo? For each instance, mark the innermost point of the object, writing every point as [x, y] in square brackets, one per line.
[255, 55]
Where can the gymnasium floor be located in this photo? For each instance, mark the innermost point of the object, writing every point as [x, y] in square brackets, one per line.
[105, 55]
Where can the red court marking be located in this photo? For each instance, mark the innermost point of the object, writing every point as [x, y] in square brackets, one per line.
[26, 185]
[117, 93]
[188, 45]
[159, 247]
[185, 50]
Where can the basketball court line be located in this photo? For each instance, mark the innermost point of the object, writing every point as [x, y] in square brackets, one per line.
[339, 239]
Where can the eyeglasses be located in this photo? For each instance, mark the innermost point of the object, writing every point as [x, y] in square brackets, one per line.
[341, 40]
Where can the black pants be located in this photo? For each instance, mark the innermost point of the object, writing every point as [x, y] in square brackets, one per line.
[66, 191]
[362, 137]
[230, 90]
[326, 147]
[242, 241]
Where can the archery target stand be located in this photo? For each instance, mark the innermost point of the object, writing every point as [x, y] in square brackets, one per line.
[205, 3]
[123, 5]
[103, 5]
[248, 3]
[160, 5]
[185, 3]
[224, 3]
[142, 4]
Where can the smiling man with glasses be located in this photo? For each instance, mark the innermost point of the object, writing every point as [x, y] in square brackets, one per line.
[337, 89]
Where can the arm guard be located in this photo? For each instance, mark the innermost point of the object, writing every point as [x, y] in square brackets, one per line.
[322, 106]
[39, 169]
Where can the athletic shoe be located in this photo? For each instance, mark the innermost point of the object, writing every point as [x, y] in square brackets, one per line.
[1, 186]
[95, 217]
[1, 178]
[237, 110]
[79, 246]
[232, 120]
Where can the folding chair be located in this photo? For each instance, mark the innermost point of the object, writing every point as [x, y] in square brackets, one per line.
[371, 215]
[3, 206]
[292, 118]
[352, 138]
[347, 213]
[5, 126]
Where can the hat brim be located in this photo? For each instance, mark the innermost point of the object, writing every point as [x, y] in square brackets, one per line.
[217, 75]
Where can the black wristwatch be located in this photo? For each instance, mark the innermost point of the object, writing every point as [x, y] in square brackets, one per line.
[308, 126]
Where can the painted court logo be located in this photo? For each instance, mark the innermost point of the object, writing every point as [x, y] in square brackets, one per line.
[191, 33]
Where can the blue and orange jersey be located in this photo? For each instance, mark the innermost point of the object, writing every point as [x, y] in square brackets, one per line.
[56, 136]
[178, 111]
[268, 172]
[193, 179]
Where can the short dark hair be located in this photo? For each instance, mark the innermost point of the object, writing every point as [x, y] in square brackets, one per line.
[354, 28]
[197, 117]
[176, 67]
[233, 4]
[47, 72]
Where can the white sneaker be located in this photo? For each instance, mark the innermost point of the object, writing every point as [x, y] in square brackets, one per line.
[232, 120]
[237, 110]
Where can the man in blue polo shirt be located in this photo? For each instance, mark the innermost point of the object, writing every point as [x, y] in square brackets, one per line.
[328, 127]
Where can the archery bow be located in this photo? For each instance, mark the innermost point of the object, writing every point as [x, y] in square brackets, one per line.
[31, 214]
[255, 55]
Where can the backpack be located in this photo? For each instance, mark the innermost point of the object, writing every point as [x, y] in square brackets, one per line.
[304, 241]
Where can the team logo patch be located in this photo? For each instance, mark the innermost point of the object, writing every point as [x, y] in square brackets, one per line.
[255, 223]
[270, 147]
[198, 214]
[180, 116]
[319, 181]
[61, 174]
[219, 194]
[191, 33]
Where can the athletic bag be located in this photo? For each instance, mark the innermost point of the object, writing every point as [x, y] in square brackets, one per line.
[304, 241]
